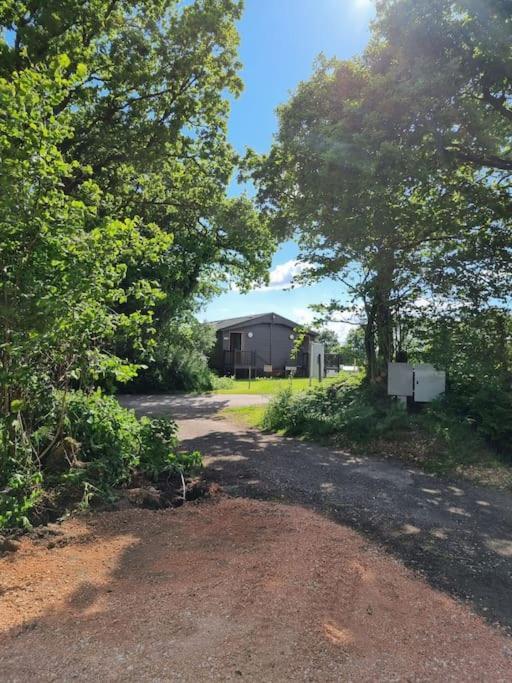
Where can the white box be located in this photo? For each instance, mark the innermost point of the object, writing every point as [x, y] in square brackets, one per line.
[429, 383]
[400, 379]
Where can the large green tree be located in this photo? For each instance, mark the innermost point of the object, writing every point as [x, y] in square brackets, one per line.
[454, 57]
[149, 116]
[391, 170]
[371, 207]
[63, 263]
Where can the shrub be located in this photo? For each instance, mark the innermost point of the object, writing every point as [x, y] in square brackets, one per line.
[222, 382]
[180, 359]
[95, 448]
[109, 438]
[20, 495]
[353, 411]
[488, 408]
[117, 444]
[158, 453]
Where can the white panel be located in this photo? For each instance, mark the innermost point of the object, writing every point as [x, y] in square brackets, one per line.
[400, 379]
[429, 384]
[316, 349]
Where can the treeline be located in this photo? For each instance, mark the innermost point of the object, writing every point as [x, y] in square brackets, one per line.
[114, 221]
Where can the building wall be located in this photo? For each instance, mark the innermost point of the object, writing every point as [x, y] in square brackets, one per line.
[270, 341]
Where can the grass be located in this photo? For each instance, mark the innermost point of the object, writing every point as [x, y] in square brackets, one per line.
[273, 385]
[249, 416]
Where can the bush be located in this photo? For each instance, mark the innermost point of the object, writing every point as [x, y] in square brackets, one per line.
[94, 449]
[109, 438]
[116, 444]
[353, 411]
[158, 454]
[222, 382]
[180, 359]
[487, 408]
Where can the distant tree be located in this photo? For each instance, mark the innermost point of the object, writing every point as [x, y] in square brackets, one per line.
[329, 339]
[352, 350]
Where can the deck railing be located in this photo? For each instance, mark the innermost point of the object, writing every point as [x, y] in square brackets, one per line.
[239, 359]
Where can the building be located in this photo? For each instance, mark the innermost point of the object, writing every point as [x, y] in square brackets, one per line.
[263, 345]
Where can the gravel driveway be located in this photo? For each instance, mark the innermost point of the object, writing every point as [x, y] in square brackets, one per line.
[457, 534]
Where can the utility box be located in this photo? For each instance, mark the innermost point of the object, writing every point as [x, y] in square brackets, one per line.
[400, 379]
[429, 383]
[422, 382]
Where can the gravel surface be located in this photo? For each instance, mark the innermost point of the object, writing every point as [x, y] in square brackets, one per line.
[230, 589]
[457, 534]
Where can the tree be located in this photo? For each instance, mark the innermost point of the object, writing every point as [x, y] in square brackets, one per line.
[62, 263]
[455, 58]
[149, 114]
[365, 204]
[329, 339]
[366, 173]
[352, 350]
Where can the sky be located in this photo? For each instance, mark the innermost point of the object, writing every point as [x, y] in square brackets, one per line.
[280, 40]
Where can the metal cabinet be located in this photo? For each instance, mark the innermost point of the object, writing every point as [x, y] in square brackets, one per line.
[423, 382]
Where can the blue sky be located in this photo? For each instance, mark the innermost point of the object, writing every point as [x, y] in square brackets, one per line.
[280, 40]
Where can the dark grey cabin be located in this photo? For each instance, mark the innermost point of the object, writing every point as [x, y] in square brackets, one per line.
[262, 344]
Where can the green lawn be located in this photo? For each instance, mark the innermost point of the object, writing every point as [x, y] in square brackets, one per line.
[248, 416]
[275, 385]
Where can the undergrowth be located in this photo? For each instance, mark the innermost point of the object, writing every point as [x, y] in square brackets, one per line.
[88, 449]
[456, 434]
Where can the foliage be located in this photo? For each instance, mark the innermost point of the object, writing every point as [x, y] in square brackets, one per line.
[375, 170]
[117, 444]
[158, 455]
[352, 350]
[475, 349]
[354, 411]
[100, 448]
[63, 263]
[329, 339]
[274, 385]
[456, 433]
[455, 57]
[114, 219]
[20, 494]
[109, 437]
[179, 359]
[219, 383]
[149, 115]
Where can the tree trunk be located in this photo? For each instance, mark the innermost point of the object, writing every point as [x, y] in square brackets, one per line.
[369, 344]
[379, 343]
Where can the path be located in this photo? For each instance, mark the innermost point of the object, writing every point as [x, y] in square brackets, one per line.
[459, 535]
[229, 590]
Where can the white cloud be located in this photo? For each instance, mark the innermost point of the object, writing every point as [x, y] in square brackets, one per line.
[283, 276]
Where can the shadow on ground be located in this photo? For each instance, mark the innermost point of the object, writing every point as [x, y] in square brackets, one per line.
[231, 588]
[458, 535]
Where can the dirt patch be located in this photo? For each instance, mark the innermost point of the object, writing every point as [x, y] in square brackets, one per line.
[230, 589]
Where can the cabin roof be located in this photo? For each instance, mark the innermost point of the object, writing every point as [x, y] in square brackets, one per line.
[246, 320]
